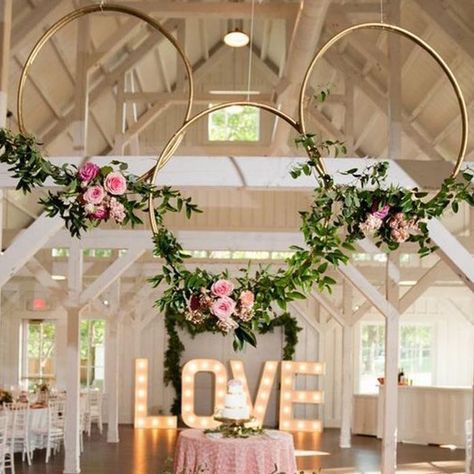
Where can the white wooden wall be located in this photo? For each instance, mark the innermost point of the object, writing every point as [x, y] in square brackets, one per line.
[152, 344]
[452, 367]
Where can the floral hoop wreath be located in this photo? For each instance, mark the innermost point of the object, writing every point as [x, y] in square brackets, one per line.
[91, 194]
[87, 10]
[420, 42]
[339, 217]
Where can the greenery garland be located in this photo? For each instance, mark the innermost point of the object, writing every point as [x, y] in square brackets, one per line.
[175, 348]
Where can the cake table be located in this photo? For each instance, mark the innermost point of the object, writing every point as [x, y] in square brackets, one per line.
[262, 454]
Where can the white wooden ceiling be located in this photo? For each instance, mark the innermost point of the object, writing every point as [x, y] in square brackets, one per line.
[124, 52]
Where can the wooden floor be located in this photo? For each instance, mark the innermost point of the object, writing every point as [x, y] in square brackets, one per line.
[146, 452]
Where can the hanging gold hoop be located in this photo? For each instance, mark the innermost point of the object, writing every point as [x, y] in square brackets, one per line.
[87, 10]
[177, 137]
[406, 34]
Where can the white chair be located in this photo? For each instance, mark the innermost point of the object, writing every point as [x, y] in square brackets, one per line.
[3, 440]
[468, 427]
[53, 435]
[94, 410]
[19, 432]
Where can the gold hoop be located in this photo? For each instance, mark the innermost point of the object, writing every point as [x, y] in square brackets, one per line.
[87, 10]
[407, 34]
[176, 138]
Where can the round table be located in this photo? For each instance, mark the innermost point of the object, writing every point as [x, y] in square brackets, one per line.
[272, 452]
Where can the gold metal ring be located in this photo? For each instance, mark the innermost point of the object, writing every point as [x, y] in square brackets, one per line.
[76, 14]
[407, 34]
[177, 137]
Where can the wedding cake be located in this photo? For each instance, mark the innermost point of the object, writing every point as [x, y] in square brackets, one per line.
[235, 402]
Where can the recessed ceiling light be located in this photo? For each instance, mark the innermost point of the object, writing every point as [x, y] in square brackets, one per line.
[236, 38]
[58, 277]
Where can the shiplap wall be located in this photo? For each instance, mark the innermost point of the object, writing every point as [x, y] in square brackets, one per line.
[452, 366]
[152, 344]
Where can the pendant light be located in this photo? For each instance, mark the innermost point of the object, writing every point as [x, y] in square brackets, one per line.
[236, 38]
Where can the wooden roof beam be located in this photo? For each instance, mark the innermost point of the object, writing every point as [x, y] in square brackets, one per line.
[218, 9]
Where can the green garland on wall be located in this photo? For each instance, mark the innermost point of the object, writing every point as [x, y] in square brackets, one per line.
[174, 352]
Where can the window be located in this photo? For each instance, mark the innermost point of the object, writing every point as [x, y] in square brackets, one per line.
[39, 356]
[59, 252]
[97, 253]
[415, 354]
[92, 353]
[235, 123]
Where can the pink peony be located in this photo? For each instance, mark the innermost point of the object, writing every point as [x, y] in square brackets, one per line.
[399, 235]
[94, 194]
[88, 172]
[222, 288]
[117, 210]
[247, 299]
[371, 224]
[100, 214]
[382, 213]
[115, 183]
[223, 307]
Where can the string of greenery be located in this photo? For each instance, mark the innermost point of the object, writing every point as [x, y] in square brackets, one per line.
[175, 321]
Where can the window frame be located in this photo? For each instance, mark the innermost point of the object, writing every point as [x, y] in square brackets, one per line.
[89, 367]
[377, 322]
[25, 376]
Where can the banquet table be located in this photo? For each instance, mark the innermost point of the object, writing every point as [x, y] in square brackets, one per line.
[271, 452]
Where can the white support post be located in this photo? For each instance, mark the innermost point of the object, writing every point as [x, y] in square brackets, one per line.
[472, 423]
[71, 435]
[5, 36]
[390, 409]
[112, 348]
[112, 366]
[75, 271]
[347, 367]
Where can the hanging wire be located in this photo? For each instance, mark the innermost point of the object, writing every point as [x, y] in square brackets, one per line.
[381, 11]
[249, 77]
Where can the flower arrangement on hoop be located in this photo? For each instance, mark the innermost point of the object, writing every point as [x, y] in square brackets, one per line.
[370, 206]
[90, 194]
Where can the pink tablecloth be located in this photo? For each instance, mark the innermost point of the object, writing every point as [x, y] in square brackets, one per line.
[266, 454]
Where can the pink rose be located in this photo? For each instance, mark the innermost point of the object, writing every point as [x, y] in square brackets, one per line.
[100, 214]
[382, 213]
[88, 171]
[115, 183]
[117, 210]
[247, 299]
[223, 307]
[94, 194]
[222, 288]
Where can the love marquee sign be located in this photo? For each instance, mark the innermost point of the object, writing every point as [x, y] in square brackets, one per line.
[288, 394]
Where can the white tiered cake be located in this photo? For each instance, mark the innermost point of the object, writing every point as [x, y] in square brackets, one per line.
[235, 402]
